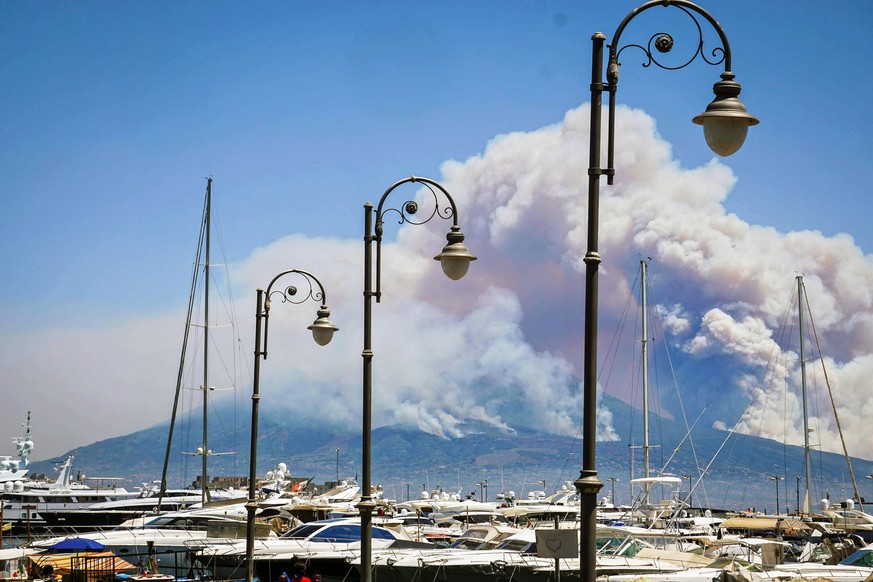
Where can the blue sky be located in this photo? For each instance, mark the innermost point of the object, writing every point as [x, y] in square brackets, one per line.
[114, 113]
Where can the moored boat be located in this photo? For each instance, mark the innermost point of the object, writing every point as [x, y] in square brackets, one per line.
[25, 501]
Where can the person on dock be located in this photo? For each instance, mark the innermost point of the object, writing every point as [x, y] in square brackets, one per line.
[298, 573]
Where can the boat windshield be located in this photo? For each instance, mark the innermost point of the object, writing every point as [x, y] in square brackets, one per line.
[517, 545]
[862, 557]
[334, 533]
[167, 522]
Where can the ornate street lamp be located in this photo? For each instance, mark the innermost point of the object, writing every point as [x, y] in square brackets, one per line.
[322, 332]
[725, 123]
[455, 259]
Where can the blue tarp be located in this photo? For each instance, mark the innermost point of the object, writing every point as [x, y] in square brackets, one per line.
[77, 545]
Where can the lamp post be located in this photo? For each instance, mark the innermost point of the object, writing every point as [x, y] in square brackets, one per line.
[337, 465]
[613, 481]
[455, 259]
[322, 332]
[777, 478]
[797, 491]
[725, 123]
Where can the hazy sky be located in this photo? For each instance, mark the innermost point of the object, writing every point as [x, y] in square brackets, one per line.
[114, 113]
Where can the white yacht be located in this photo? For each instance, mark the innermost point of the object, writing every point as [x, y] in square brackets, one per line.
[24, 501]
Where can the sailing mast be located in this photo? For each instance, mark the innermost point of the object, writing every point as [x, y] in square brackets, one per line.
[644, 334]
[806, 454]
[645, 362]
[202, 245]
[204, 481]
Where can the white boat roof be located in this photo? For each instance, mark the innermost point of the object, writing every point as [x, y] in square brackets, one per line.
[13, 553]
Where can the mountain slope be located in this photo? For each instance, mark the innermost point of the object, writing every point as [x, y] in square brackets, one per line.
[406, 459]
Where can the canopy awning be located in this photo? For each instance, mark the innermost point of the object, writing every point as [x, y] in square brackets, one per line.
[91, 561]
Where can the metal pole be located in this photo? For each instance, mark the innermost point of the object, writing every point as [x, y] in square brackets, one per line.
[807, 461]
[557, 560]
[777, 495]
[204, 483]
[253, 453]
[797, 507]
[365, 507]
[337, 466]
[588, 484]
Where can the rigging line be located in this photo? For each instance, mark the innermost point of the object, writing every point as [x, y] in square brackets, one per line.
[636, 367]
[607, 365]
[681, 403]
[753, 402]
[612, 351]
[576, 439]
[657, 323]
[681, 442]
[230, 308]
[610, 359]
[833, 402]
[191, 297]
[767, 380]
[223, 361]
[656, 327]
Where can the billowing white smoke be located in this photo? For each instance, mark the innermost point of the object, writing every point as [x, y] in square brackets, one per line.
[728, 280]
[499, 347]
[502, 348]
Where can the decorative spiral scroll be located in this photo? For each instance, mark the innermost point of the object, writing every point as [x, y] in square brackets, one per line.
[663, 43]
[291, 294]
[410, 208]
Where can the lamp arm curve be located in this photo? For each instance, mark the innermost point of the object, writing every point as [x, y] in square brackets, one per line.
[663, 42]
[290, 291]
[411, 207]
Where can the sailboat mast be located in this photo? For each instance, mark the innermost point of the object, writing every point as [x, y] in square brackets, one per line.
[807, 505]
[204, 490]
[645, 362]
